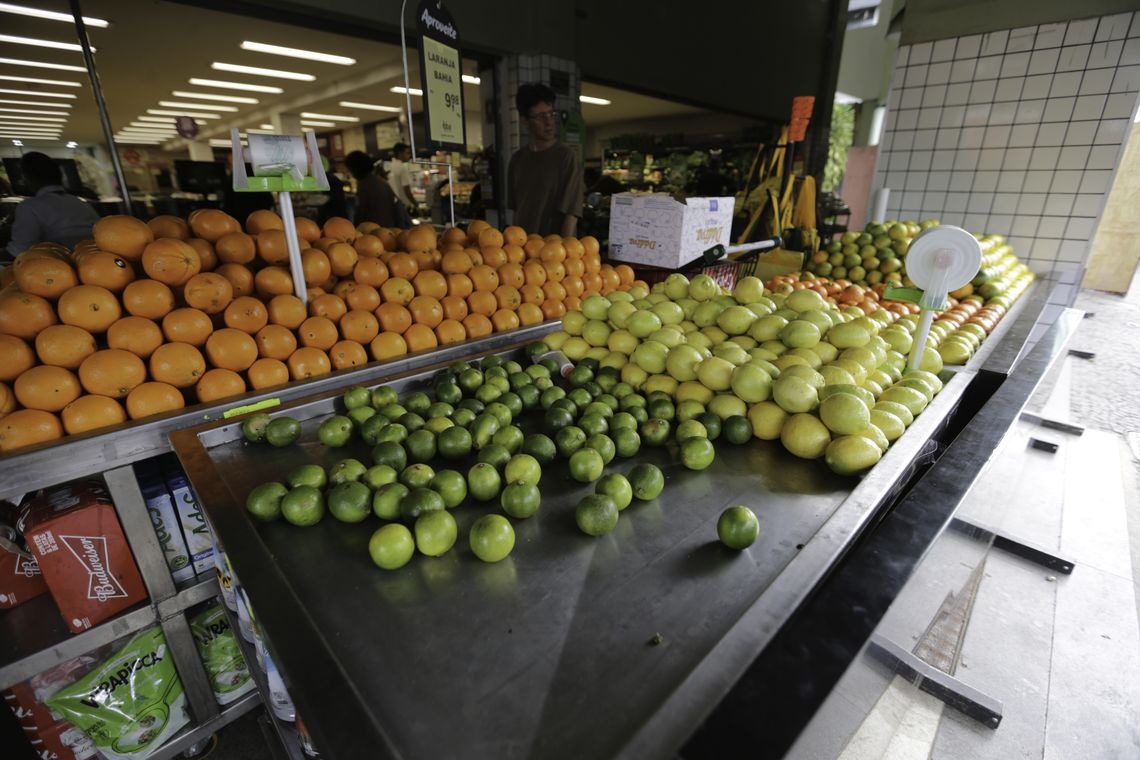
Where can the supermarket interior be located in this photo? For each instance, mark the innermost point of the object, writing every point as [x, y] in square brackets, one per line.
[572, 379]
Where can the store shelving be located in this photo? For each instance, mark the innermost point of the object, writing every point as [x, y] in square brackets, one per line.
[195, 734]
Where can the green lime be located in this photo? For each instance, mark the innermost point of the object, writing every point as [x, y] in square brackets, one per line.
[622, 421]
[454, 443]
[448, 393]
[737, 527]
[386, 500]
[308, 475]
[421, 446]
[617, 488]
[569, 439]
[303, 506]
[537, 372]
[439, 409]
[473, 405]
[697, 453]
[596, 514]
[737, 429]
[647, 480]
[593, 424]
[540, 447]
[360, 415]
[411, 421]
[550, 395]
[335, 431]
[350, 502]
[529, 395]
[393, 431]
[383, 396]
[661, 409]
[602, 444]
[712, 425]
[631, 401]
[510, 437]
[391, 547]
[483, 429]
[556, 419]
[484, 481]
[435, 533]
[658, 396]
[626, 442]
[565, 404]
[655, 432]
[264, 502]
[417, 402]
[495, 455]
[520, 500]
[253, 428]
[513, 402]
[463, 417]
[691, 429]
[491, 360]
[370, 430]
[580, 375]
[488, 392]
[346, 470]
[357, 397]
[417, 475]
[501, 412]
[689, 409]
[640, 416]
[452, 486]
[392, 411]
[581, 397]
[491, 538]
[593, 389]
[621, 390]
[537, 349]
[379, 475]
[391, 454]
[419, 501]
[469, 381]
[283, 431]
[522, 468]
[550, 364]
[436, 425]
[586, 465]
[520, 380]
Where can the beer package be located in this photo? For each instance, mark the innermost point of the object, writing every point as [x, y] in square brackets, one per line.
[75, 536]
[20, 577]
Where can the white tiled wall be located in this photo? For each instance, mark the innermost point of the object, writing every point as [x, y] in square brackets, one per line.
[1016, 132]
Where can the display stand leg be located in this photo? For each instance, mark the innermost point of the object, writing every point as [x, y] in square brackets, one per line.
[1014, 546]
[1064, 427]
[294, 246]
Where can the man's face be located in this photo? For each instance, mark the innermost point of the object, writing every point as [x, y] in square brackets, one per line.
[405, 154]
[542, 120]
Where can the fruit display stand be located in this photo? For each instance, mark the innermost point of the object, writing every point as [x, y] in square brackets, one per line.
[636, 636]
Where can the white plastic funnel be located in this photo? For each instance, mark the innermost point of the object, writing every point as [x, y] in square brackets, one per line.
[939, 260]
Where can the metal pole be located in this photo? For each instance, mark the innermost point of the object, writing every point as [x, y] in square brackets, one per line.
[407, 84]
[97, 90]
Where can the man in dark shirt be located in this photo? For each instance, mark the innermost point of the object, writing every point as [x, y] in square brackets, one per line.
[544, 177]
[52, 215]
[375, 200]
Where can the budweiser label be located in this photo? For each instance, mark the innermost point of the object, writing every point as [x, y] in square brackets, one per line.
[91, 552]
[26, 566]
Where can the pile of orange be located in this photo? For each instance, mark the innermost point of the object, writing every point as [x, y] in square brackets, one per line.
[149, 317]
[842, 293]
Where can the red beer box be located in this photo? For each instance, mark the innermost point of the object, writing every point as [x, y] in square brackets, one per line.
[20, 578]
[62, 741]
[84, 557]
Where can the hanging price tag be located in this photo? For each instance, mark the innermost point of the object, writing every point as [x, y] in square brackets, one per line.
[441, 75]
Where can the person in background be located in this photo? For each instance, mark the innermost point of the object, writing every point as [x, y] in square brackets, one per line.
[400, 174]
[375, 200]
[337, 204]
[52, 215]
[544, 179]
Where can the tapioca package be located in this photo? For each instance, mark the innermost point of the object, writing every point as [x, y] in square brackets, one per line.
[220, 653]
[131, 703]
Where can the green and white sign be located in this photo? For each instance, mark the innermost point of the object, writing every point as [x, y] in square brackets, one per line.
[441, 76]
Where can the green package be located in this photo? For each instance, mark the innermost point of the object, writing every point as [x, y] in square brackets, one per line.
[220, 653]
[131, 703]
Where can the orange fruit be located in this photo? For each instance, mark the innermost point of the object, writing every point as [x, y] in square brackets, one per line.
[93, 308]
[307, 229]
[46, 388]
[178, 364]
[573, 286]
[420, 238]
[453, 236]
[494, 257]
[17, 356]
[7, 400]
[574, 267]
[590, 245]
[532, 294]
[474, 255]
[611, 280]
[212, 224]
[574, 248]
[489, 237]
[393, 317]
[153, 398]
[187, 325]
[275, 342]
[246, 314]
[552, 309]
[530, 314]
[340, 229]
[106, 270]
[318, 332]
[91, 412]
[398, 290]
[515, 254]
[208, 291]
[511, 275]
[24, 315]
[307, 362]
[514, 235]
[206, 253]
[261, 220]
[644, 284]
[484, 277]
[450, 331]
[534, 272]
[459, 285]
[266, 373]
[370, 271]
[454, 307]
[138, 335]
[170, 261]
[217, 384]
[359, 325]
[342, 288]
[426, 311]
[236, 248]
[477, 326]
[403, 265]
[147, 298]
[625, 274]
[347, 354]
[240, 277]
[342, 259]
[167, 226]
[323, 243]
[122, 235]
[420, 338]
[455, 262]
[329, 306]
[555, 271]
[507, 297]
[359, 296]
[592, 281]
[26, 427]
[572, 303]
[554, 291]
[504, 319]
[287, 311]
[368, 246]
[533, 246]
[388, 345]
[552, 253]
[315, 266]
[593, 263]
[231, 349]
[430, 283]
[474, 228]
[112, 372]
[273, 281]
[272, 247]
[59, 345]
[47, 277]
[482, 302]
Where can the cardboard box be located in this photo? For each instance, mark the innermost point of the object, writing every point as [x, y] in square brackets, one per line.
[62, 741]
[76, 537]
[199, 540]
[167, 526]
[661, 232]
[20, 577]
[27, 698]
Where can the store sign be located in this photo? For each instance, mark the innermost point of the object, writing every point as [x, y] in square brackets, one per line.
[186, 127]
[441, 76]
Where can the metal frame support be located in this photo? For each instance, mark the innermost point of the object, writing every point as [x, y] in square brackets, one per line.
[1064, 427]
[1016, 547]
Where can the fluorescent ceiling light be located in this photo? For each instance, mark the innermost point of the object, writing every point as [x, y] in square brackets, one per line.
[72, 144]
[403, 91]
[205, 106]
[211, 96]
[28, 130]
[318, 123]
[162, 119]
[152, 125]
[35, 103]
[218, 142]
[137, 141]
[308, 55]
[31, 118]
[41, 43]
[470, 79]
[10, 122]
[204, 116]
[143, 130]
[35, 80]
[37, 94]
[29, 110]
[17, 142]
[266, 126]
[593, 101]
[224, 85]
[41, 64]
[328, 116]
[260, 72]
[21, 10]
[370, 106]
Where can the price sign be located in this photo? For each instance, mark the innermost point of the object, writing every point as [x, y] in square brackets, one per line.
[441, 75]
